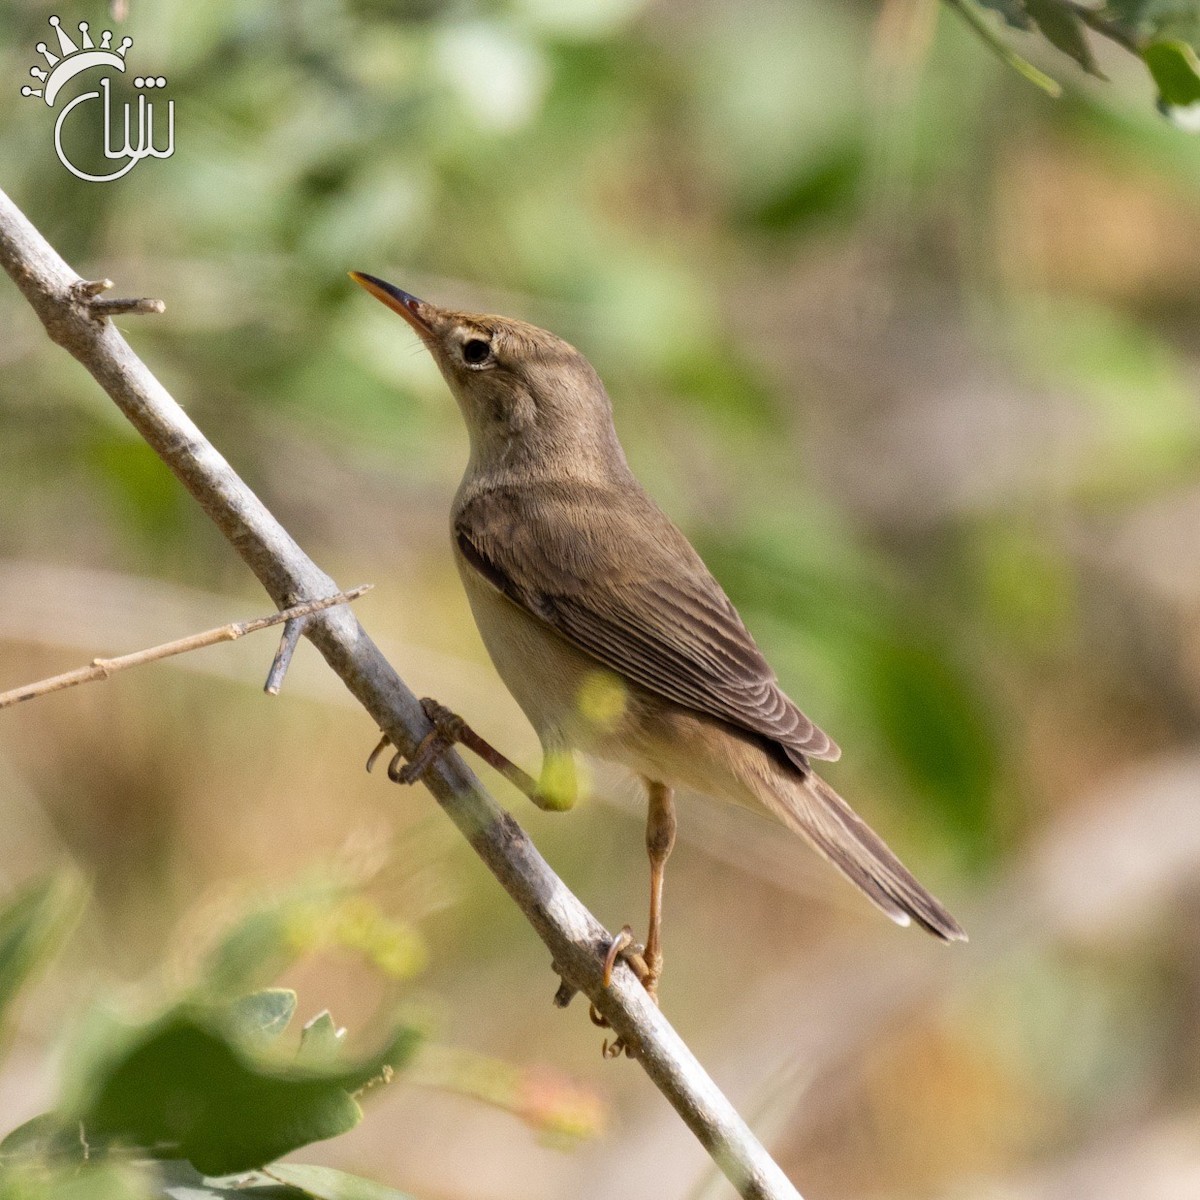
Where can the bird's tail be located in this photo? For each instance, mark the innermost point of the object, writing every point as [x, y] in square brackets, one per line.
[810, 807]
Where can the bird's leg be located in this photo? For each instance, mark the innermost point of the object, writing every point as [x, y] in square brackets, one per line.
[646, 962]
[660, 841]
[555, 791]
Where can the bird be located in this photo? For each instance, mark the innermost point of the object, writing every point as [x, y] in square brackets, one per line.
[605, 625]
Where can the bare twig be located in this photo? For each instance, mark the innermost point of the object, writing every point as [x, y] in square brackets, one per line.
[576, 940]
[102, 668]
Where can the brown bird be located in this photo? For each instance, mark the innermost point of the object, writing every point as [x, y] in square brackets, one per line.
[606, 626]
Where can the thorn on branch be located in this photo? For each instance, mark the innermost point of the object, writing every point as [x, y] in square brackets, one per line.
[566, 991]
[88, 294]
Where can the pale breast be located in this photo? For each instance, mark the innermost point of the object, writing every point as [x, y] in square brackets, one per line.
[544, 673]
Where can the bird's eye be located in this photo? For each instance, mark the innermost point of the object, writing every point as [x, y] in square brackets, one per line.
[476, 351]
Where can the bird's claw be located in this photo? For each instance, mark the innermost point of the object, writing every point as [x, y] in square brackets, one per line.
[618, 946]
[373, 757]
[623, 947]
[618, 1045]
[447, 730]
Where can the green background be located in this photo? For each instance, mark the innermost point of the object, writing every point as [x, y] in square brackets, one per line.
[908, 348]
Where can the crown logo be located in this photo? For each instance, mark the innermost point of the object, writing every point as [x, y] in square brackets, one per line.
[73, 59]
[135, 117]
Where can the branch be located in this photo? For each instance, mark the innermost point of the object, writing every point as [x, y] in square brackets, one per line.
[102, 668]
[576, 940]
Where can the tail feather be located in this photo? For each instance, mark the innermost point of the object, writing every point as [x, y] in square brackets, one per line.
[814, 810]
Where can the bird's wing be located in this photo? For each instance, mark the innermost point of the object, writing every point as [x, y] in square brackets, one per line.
[613, 575]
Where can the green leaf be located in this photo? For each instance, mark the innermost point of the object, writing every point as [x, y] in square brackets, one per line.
[262, 1016]
[93, 1181]
[320, 1041]
[1176, 70]
[1013, 12]
[1064, 30]
[42, 1137]
[280, 1181]
[1002, 49]
[324, 1183]
[187, 1088]
[32, 927]
[314, 913]
[181, 1181]
[267, 939]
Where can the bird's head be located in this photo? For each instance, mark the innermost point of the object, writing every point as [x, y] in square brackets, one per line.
[529, 398]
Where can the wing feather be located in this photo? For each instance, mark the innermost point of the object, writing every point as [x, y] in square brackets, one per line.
[610, 572]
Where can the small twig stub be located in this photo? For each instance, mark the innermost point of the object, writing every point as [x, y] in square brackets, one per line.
[88, 293]
[283, 656]
[102, 307]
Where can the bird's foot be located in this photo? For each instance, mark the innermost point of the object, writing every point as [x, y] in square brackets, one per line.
[625, 948]
[450, 730]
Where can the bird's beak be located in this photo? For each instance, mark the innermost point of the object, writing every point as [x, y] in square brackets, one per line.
[414, 311]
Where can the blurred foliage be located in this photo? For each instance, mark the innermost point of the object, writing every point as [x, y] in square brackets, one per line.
[206, 1083]
[32, 925]
[909, 350]
[213, 1089]
[314, 913]
[925, 710]
[1146, 28]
